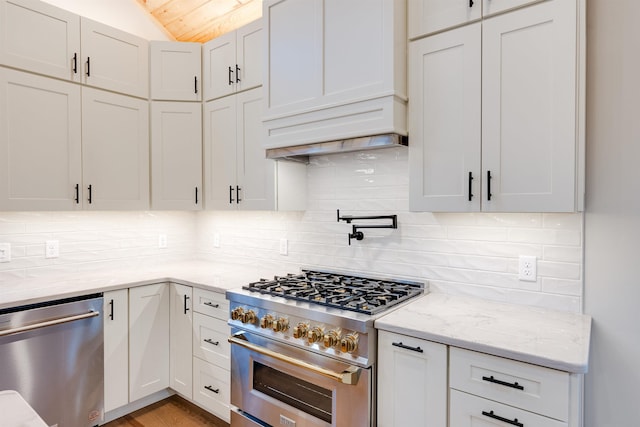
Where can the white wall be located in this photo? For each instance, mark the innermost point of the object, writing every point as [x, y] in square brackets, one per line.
[126, 15]
[612, 221]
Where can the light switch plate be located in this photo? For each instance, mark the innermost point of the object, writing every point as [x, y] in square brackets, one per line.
[5, 252]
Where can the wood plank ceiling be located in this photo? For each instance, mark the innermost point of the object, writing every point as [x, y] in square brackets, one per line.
[202, 20]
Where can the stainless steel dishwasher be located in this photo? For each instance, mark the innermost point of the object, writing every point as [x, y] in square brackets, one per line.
[52, 354]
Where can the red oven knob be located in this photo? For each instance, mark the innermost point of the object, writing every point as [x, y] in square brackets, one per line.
[236, 313]
[280, 325]
[332, 339]
[315, 335]
[266, 321]
[349, 344]
[301, 330]
[249, 317]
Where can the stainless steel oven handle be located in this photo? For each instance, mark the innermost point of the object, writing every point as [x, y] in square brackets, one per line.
[53, 322]
[349, 376]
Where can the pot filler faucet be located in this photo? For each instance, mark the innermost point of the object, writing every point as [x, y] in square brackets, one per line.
[359, 235]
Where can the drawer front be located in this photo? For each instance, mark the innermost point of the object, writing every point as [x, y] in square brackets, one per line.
[473, 411]
[530, 387]
[210, 341]
[210, 303]
[211, 388]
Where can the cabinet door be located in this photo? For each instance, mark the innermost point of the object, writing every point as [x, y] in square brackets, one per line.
[219, 66]
[412, 382]
[176, 155]
[40, 149]
[249, 55]
[115, 150]
[175, 71]
[220, 153]
[429, 16]
[148, 340]
[255, 173]
[114, 60]
[445, 121]
[38, 37]
[116, 349]
[293, 32]
[529, 109]
[181, 338]
[492, 7]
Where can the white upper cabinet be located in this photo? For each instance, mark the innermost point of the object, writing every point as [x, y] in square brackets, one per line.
[115, 150]
[176, 155]
[114, 60]
[41, 38]
[175, 71]
[233, 61]
[334, 70]
[40, 143]
[523, 114]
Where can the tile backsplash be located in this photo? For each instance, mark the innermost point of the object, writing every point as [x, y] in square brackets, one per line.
[466, 253]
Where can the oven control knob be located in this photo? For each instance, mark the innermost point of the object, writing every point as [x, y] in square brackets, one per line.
[332, 339]
[349, 344]
[301, 330]
[236, 313]
[315, 335]
[249, 317]
[266, 322]
[280, 325]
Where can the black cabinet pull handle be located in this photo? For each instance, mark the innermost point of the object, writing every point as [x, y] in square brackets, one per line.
[470, 3]
[230, 76]
[88, 66]
[399, 344]
[195, 84]
[470, 185]
[90, 191]
[212, 342]
[513, 422]
[75, 63]
[231, 199]
[238, 199]
[488, 185]
[77, 198]
[237, 74]
[111, 311]
[210, 304]
[215, 390]
[186, 298]
[504, 383]
[196, 195]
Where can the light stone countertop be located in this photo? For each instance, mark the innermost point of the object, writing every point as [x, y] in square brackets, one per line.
[549, 338]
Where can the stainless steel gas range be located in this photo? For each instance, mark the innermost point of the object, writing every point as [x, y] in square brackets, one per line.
[303, 348]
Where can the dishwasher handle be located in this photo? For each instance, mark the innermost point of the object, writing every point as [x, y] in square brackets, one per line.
[47, 323]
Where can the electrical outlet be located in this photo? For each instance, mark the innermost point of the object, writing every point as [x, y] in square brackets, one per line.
[216, 240]
[284, 247]
[162, 241]
[5, 252]
[51, 249]
[527, 268]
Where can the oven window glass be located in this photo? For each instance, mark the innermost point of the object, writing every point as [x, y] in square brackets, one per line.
[307, 397]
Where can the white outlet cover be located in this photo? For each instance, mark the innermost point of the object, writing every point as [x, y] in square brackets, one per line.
[216, 240]
[528, 268]
[162, 241]
[5, 252]
[284, 247]
[51, 249]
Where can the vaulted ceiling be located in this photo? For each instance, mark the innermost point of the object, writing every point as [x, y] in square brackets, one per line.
[202, 20]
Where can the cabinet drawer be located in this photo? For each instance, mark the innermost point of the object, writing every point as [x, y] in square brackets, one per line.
[467, 410]
[211, 388]
[530, 387]
[210, 303]
[210, 341]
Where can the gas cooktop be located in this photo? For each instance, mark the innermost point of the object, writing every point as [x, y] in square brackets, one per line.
[342, 291]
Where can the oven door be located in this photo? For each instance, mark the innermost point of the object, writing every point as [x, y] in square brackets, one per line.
[283, 385]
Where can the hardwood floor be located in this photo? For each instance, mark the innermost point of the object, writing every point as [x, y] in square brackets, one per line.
[171, 412]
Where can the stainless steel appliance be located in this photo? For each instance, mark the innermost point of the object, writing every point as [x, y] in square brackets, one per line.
[303, 348]
[52, 354]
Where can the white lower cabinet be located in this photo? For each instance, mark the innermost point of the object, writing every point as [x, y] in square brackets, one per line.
[211, 388]
[116, 349]
[181, 325]
[412, 381]
[148, 340]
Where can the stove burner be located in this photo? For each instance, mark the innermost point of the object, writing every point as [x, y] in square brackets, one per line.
[359, 294]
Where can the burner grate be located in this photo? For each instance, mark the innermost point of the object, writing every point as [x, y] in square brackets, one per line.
[346, 292]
